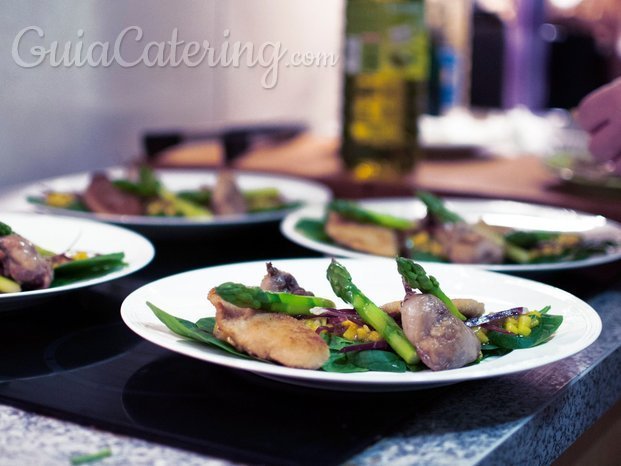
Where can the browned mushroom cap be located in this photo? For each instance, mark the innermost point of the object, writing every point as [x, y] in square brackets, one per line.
[227, 198]
[20, 261]
[441, 340]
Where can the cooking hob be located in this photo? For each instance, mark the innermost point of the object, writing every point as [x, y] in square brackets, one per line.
[72, 358]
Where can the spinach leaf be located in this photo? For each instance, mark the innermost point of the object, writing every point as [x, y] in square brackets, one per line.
[5, 230]
[335, 343]
[540, 334]
[340, 362]
[208, 324]
[86, 269]
[192, 331]
[364, 361]
[313, 229]
[529, 239]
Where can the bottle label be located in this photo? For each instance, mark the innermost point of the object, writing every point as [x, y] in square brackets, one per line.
[386, 37]
[378, 110]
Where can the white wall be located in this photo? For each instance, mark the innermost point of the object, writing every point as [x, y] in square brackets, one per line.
[55, 120]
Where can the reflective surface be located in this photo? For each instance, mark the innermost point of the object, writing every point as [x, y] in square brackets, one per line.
[72, 358]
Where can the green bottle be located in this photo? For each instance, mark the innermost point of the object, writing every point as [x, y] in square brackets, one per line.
[386, 67]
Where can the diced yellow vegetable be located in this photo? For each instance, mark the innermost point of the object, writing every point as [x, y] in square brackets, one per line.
[80, 255]
[568, 240]
[481, 334]
[524, 325]
[56, 199]
[351, 332]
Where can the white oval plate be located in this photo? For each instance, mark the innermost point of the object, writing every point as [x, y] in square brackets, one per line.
[293, 189]
[58, 234]
[185, 295]
[518, 215]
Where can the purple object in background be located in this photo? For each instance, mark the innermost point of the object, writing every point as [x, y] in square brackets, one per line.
[525, 57]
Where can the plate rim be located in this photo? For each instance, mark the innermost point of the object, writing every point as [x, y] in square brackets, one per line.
[287, 228]
[335, 380]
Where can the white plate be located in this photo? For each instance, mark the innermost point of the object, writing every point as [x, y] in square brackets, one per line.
[293, 189]
[185, 295]
[58, 234]
[495, 212]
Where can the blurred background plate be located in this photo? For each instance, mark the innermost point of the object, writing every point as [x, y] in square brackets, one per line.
[292, 189]
[519, 215]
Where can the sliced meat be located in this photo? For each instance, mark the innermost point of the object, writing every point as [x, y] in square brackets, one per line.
[363, 237]
[103, 197]
[227, 198]
[469, 307]
[279, 281]
[462, 244]
[20, 261]
[268, 335]
[441, 340]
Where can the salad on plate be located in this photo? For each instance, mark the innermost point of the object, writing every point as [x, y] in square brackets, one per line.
[141, 193]
[283, 323]
[25, 266]
[443, 235]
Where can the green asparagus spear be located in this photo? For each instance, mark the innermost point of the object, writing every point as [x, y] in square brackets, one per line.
[341, 283]
[9, 286]
[183, 206]
[5, 230]
[147, 185]
[436, 208]
[353, 211]
[256, 298]
[416, 277]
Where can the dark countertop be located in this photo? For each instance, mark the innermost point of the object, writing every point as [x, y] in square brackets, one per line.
[479, 422]
[528, 418]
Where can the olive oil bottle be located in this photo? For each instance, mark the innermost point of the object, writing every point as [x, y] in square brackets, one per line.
[386, 66]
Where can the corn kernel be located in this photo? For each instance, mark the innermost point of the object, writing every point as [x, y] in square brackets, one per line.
[55, 199]
[481, 335]
[362, 333]
[351, 332]
[80, 255]
[511, 327]
[524, 325]
[420, 239]
[374, 336]
[568, 240]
